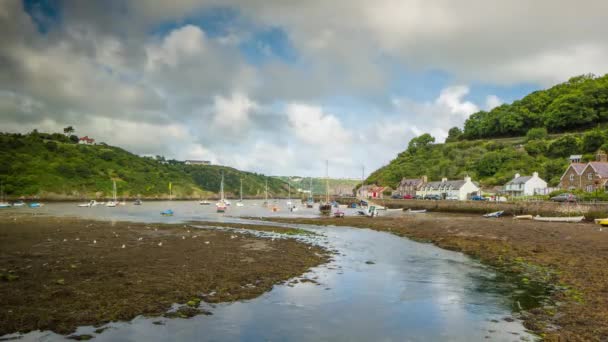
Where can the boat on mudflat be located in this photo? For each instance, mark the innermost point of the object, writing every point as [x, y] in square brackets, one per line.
[495, 214]
[559, 219]
[419, 211]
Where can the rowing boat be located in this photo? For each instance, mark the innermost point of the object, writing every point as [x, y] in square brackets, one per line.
[559, 219]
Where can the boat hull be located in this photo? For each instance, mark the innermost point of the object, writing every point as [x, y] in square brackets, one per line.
[559, 219]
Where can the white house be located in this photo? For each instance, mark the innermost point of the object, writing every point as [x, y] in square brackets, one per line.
[526, 185]
[456, 189]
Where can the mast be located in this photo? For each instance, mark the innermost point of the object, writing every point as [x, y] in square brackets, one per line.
[289, 191]
[312, 199]
[241, 189]
[266, 192]
[327, 181]
[222, 188]
[114, 190]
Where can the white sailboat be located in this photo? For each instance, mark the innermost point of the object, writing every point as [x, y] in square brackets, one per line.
[113, 202]
[3, 202]
[221, 205]
[311, 202]
[325, 208]
[265, 204]
[240, 202]
[290, 205]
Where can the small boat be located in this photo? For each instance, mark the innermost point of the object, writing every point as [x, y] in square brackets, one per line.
[559, 219]
[35, 205]
[274, 209]
[5, 205]
[325, 208]
[204, 202]
[523, 217]
[227, 202]
[310, 203]
[598, 220]
[494, 214]
[167, 212]
[90, 204]
[240, 202]
[392, 210]
[293, 208]
[419, 211]
[602, 222]
[19, 204]
[339, 214]
[370, 211]
[137, 202]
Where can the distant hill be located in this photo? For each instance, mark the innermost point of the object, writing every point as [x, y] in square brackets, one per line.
[55, 166]
[536, 133]
[336, 185]
[578, 104]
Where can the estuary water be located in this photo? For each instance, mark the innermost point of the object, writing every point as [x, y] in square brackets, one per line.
[379, 287]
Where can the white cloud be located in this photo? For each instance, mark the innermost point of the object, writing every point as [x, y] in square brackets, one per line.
[232, 113]
[311, 126]
[185, 42]
[492, 101]
[452, 99]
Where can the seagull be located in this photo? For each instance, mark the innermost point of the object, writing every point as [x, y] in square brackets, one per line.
[160, 244]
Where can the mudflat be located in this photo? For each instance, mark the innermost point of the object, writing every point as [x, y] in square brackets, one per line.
[60, 273]
[570, 260]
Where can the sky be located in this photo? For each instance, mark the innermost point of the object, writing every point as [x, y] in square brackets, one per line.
[280, 86]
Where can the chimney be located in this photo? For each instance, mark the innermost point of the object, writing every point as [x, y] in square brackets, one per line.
[467, 179]
[443, 180]
[601, 156]
[517, 175]
[535, 174]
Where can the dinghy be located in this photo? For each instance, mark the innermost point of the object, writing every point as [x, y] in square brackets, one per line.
[91, 203]
[19, 204]
[494, 214]
[523, 217]
[167, 212]
[420, 211]
[559, 219]
[222, 205]
[204, 202]
[35, 205]
[339, 214]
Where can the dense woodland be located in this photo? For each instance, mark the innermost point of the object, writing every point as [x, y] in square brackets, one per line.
[56, 166]
[528, 135]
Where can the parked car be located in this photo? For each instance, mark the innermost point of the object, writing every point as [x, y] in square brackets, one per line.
[408, 196]
[452, 198]
[419, 197]
[565, 197]
[478, 198]
[432, 197]
[396, 196]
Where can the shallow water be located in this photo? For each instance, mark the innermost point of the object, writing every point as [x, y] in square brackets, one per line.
[409, 292]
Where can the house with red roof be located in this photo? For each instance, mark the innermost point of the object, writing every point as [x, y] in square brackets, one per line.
[86, 140]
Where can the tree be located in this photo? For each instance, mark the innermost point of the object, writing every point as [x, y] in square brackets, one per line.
[454, 134]
[564, 146]
[536, 147]
[489, 164]
[538, 133]
[420, 142]
[592, 140]
[68, 130]
[74, 139]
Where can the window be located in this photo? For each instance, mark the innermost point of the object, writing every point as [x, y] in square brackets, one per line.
[571, 177]
[589, 188]
[590, 176]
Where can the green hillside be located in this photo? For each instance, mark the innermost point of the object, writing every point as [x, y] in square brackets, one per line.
[318, 184]
[526, 136]
[54, 166]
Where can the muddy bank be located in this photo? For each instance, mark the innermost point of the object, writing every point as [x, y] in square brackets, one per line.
[60, 273]
[570, 260]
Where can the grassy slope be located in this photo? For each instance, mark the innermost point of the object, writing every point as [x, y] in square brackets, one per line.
[34, 165]
[318, 184]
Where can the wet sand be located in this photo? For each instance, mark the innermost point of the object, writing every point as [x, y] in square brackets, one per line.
[570, 260]
[60, 273]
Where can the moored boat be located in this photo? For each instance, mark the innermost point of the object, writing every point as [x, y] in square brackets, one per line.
[167, 212]
[419, 211]
[559, 218]
[204, 202]
[523, 217]
[240, 202]
[90, 204]
[221, 206]
[495, 214]
[35, 205]
[19, 204]
[3, 202]
[113, 203]
[137, 202]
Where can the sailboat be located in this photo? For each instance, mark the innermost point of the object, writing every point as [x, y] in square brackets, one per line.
[265, 204]
[168, 212]
[113, 202]
[3, 202]
[290, 205]
[240, 202]
[325, 208]
[221, 205]
[311, 201]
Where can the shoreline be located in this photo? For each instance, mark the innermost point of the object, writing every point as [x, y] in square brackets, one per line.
[563, 263]
[59, 273]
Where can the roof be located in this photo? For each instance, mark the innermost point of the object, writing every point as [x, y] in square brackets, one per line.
[520, 180]
[410, 181]
[576, 156]
[601, 168]
[455, 184]
[578, 167]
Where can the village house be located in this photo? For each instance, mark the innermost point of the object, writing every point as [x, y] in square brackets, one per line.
[197, 162]
[86, 140]
[364, 191]
[525, 185]
[379, 191]
[409, 186]
[591, 176]
[450, 189]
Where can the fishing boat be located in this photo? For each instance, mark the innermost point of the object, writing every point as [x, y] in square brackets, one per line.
[240, 202]
[137, 202]
[495, 214]
[559, 219]
[113, 203]
[325, 208]
[3, 202]
[204, 202]
[221, 205]
[370, 211]
[419, 211]
[167, 212]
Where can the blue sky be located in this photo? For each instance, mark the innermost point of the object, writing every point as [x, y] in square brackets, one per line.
[278, 87]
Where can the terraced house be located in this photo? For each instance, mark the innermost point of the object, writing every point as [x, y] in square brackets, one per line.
[450, 189]
[590, 177]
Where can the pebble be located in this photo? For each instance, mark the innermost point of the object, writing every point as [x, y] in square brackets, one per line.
[94, 241]
[140, 239]
[160, 244]
[207, 242]
[123, 246]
